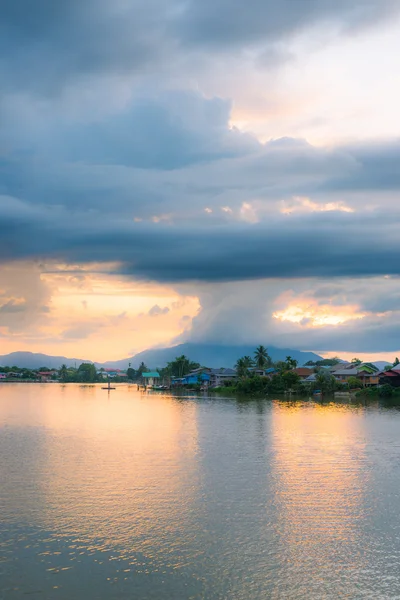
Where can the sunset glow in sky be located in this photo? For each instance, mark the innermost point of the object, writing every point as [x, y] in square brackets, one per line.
[206, 171]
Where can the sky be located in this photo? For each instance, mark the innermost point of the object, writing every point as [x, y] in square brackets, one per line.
[212, 171]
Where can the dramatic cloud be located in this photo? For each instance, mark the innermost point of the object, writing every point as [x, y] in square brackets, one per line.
[45, 45]
[127, 141]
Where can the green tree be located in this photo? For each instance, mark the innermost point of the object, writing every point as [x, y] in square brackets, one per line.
[290, 380]
[328, 362]
[325, 382]
[87, 373]
[386, 391]
[262, 358]
[243, 365]
[291, 362]
[181, 366]
[396, 362]
[63, 373]
[131, 373]
[356, 361]
[142, 369]
[354, 383]
[26, 374]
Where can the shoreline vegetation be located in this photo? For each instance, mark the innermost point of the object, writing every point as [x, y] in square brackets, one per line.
[256, 376]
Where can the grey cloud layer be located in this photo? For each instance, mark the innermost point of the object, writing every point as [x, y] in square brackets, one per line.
[322, 245]
[45, 45]
[159, 182]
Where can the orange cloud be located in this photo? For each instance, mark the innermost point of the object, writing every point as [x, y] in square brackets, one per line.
[302, 204]
[311, 314]
[96, 315]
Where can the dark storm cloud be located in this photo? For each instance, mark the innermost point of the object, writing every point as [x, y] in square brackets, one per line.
[46, 44]
[378, 168]
[320, 245]
[168, 131]
[72, 193]
[233, 22]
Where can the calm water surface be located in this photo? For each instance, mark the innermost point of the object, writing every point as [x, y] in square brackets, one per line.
[126, 495]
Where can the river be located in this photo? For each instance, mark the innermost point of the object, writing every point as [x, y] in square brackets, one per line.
[122, 494]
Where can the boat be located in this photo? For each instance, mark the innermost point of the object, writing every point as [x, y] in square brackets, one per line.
[108, 387]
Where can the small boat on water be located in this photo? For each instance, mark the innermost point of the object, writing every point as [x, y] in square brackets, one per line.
[108, 387]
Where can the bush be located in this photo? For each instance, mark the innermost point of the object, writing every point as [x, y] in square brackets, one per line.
[253, 385]
[386, 391]
[354, 383]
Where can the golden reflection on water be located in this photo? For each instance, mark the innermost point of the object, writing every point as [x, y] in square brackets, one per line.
[94, 474]
[320, 476]
[234, 499]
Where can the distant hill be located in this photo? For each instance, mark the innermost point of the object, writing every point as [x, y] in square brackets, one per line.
[30, 360]
[209, 355]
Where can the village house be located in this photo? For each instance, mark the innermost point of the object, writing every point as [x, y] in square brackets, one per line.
[367, 373]
[303, 372]
[391, 377]
[218, 377]
[211, 377]
[47, 375]
[196, 378]
[150, 378]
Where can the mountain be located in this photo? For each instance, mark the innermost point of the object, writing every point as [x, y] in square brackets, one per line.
[208, 355]
[30, 360]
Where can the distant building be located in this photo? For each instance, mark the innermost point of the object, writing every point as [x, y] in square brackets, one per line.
[111, 373]
[3, 376]
[391, 377]
[196, 378]
[207, 376]
[218, 377]
[303, 372]
[367, 373]
[47, 375]
[150, 378]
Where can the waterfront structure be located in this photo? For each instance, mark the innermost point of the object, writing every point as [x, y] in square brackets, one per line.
[208, 377]
[391, 377]
[150, 378]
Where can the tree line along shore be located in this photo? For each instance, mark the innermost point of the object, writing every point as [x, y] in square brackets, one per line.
[252, 375]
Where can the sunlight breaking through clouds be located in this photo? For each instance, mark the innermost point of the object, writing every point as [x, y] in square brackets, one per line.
[300, 204]
[311, 314]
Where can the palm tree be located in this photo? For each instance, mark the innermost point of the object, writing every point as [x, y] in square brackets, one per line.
[243, 365]
[262, 357]
[63, 373]
[291, 362]
[325, 382]
[249, 362]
